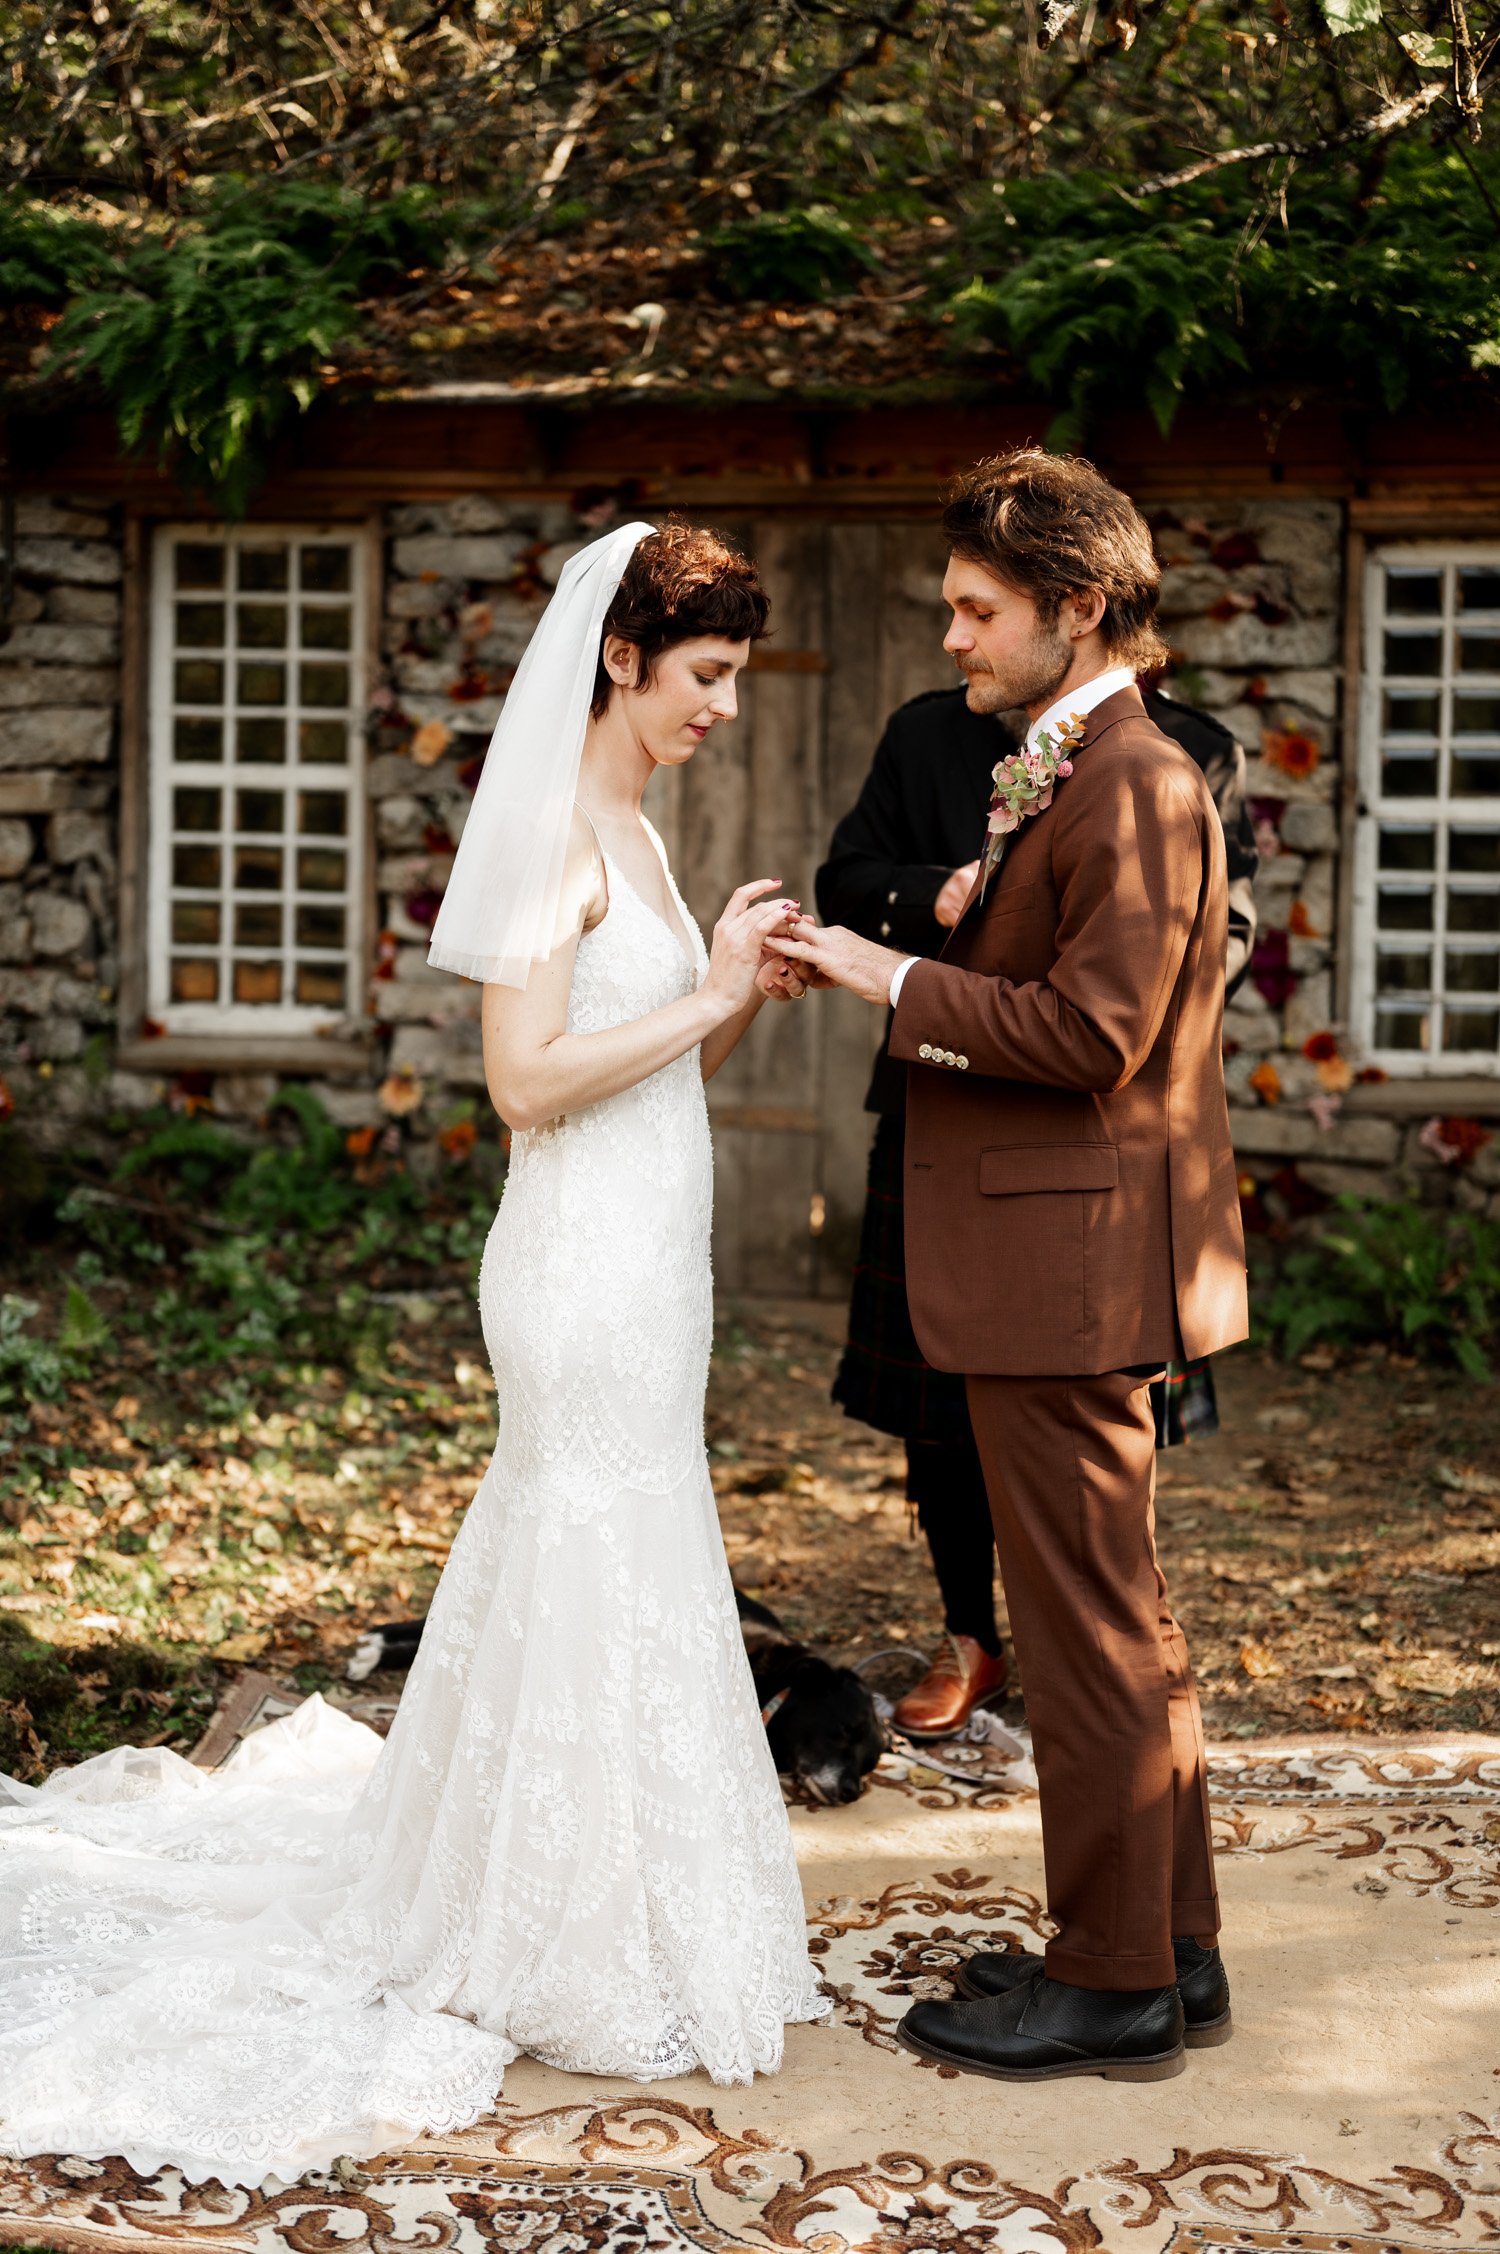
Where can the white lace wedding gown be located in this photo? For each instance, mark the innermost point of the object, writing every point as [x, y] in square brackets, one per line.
[572, 1842]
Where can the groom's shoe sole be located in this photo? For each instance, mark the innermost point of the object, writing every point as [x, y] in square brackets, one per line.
[1161, 2068]
[1207, 2036]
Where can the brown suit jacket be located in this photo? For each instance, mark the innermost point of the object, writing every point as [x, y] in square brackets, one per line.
[1071, 1199]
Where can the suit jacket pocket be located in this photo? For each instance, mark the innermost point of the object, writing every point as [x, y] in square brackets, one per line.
[1023, 1167]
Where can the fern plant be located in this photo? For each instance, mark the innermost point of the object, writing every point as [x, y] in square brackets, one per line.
[1398, 1274]
[207, 341]
[1104, 297]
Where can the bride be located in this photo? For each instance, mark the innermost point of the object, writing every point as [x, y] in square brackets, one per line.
[572, 1843]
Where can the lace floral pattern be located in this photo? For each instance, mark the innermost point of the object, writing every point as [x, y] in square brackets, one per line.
[572, 1842]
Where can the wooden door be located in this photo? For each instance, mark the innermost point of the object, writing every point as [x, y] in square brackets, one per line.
[857, 626]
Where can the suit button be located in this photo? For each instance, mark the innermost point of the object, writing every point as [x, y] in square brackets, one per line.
[963, 1064]
[949, 1057]
[925, 1052]
[885, 931]
[890, 899]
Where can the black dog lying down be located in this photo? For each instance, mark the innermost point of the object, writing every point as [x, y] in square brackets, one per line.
[821, 1723]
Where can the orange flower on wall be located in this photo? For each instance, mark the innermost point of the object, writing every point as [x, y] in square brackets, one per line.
[1293, 752]
[459, 1139]
[1335, 1072]
[1266, 1081]
[1300, 924]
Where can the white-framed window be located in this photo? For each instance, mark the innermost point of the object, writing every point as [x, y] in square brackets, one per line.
[1425, 970]
[257, 856]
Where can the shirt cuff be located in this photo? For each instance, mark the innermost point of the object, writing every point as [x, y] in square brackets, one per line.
[898, 977]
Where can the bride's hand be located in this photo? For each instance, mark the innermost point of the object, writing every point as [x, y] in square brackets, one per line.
[781, 981]
[739, 948]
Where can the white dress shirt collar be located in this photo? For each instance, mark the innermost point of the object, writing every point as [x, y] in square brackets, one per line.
[1082, 699]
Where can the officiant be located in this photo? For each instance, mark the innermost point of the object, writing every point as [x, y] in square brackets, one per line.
[899, 869]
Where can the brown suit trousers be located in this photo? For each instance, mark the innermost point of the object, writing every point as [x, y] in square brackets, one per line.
[1072, 1217]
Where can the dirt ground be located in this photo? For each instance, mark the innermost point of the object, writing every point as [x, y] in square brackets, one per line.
[1334, 1553]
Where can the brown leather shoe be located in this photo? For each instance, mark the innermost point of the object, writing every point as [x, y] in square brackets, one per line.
[959, 1679]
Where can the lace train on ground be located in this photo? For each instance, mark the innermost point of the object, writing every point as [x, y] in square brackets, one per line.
[572, 1843]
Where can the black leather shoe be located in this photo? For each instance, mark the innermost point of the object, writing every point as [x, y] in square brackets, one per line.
[1202, 1983]
[1042, 2029]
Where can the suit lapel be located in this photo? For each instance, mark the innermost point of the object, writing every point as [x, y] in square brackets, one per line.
[1123, 705]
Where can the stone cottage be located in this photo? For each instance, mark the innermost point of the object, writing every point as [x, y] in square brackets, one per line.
[235, 758]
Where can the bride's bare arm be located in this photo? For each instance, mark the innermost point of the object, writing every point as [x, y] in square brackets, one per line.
[536, 1070]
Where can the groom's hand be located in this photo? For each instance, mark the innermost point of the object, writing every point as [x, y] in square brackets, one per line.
[837, 957]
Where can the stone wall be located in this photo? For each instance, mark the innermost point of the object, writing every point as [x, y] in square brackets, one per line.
[59, 706]
[1252, 603]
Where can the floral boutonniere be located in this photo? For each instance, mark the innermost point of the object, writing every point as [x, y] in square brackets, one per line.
[1024, 783]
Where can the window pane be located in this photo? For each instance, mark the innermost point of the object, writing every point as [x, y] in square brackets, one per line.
[325, 571]
[1406, 972]
[1410, 777]
[1405, 909]
[194, 979]
[257, 982]
[1471, 1029]
[325, 627]
[262, 684]
[320, 872]
[1476, 716]
[322, 813]
[259, 810]
[1401, 1029]
[257, 923]
[1479, 653]
[1479, 588]
[196, 867]
[197, 680]
[263, 571]
[325, 684]
[1471, 971]
[195, 923]
[200, 565]
[200, 626]
[1411, 715]
[1402, 848]
[260, 626]
[261, 743]
[1473, 911]
[257, 868]
[320, 927]
[1474, 852]
[322, 985]
[1478, 776]
[324, 740]
[196, 809]
[1415, 592]
[197, 739]
[1419, 654]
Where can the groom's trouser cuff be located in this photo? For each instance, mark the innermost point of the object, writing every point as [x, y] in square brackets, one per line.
[1069, 1463]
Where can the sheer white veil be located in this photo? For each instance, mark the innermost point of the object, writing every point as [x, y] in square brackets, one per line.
[499, 912]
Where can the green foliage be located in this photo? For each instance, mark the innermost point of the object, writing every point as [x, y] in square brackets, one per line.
[47, 254]
[1397, 1274]
[87, 1698]
[1100, 296]
[790, 255]
[205, 340]
[31, 1368]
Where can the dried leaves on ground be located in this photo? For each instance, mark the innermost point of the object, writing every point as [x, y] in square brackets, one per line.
[1334, 1552]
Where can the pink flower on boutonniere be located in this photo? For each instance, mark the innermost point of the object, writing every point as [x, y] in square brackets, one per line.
[1024, 783]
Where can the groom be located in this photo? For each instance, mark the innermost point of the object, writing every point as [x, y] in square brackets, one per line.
[1071, 1224]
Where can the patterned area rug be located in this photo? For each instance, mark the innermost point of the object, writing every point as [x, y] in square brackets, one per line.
[1357, 2108]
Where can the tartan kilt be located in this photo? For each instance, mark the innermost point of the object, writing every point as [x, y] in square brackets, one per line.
[883, 1377]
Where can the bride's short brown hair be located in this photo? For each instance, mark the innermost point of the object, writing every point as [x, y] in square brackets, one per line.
[1052, 525]
[682, 581]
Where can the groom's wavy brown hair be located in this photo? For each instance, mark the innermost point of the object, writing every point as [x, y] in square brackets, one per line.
[682, 581]
[1050, 526]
